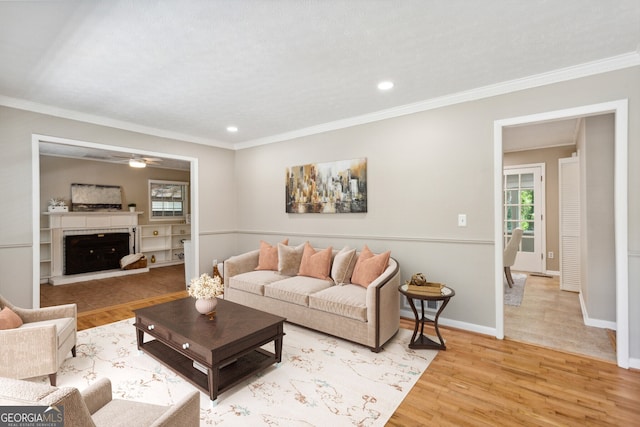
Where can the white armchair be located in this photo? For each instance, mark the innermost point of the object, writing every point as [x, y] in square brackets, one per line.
[40, 343]
[510, 252]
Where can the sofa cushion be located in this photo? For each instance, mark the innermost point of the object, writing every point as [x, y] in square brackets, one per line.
[289, 258]
[9, 319]
[268, 257]
[65, 326]
[369, 266]
[296, 289]
[316, 263]
[254, 281]
[343, 264]
[348, 301]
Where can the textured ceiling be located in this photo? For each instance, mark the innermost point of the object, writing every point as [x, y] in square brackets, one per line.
[189, 69]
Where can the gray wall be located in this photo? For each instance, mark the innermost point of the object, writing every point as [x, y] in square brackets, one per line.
[597, 249]
[423, 169]
[58, 173]
[216, 196]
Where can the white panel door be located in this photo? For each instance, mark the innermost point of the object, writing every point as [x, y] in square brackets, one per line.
[523, 208]
[569, 183]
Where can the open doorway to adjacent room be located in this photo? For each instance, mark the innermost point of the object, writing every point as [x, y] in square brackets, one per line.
[109, 156]
[549, 316]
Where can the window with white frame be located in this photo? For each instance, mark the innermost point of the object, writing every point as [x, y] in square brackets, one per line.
[168, 199]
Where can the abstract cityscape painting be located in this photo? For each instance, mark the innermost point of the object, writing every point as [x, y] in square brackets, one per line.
[332, 187]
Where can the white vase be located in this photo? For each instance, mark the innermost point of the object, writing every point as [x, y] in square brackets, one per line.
[206, 305]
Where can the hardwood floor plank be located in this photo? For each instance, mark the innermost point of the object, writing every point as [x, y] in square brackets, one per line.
[479, 380]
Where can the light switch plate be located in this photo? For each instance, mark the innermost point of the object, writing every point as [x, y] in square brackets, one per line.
[462, 220]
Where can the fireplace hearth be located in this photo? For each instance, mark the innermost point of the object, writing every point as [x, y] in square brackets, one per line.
[86, 253]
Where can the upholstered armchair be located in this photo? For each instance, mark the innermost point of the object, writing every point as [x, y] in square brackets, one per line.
[35, 342]
[510, 252]
[95, 406]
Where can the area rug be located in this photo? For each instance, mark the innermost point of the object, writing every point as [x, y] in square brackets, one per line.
[321, 381]
[513, 296]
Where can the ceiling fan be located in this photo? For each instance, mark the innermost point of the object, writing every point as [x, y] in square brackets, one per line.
[139, 161]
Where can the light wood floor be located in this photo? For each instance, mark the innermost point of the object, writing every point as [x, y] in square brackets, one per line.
[553, 318]
[482, 381]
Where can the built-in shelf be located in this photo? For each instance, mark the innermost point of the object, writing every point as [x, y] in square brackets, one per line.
[163, 244]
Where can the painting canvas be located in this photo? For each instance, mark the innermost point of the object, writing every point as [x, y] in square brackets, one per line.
[332, 187]
[91, 197]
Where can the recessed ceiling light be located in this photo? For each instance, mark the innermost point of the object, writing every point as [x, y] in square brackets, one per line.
[232, 129]
[385, 85]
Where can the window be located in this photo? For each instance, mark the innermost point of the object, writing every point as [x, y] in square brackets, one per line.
[168, 199]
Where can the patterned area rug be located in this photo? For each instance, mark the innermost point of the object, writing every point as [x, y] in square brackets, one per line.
[321, 381]
[513, 296]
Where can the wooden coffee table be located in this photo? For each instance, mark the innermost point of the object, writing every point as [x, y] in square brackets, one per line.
[226, 347]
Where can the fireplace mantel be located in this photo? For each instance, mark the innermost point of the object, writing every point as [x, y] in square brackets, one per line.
[80, 220]
[64, 223]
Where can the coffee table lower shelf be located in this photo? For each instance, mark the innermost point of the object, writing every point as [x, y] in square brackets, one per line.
[229, 374]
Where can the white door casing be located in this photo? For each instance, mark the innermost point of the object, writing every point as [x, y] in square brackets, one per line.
[620, 108]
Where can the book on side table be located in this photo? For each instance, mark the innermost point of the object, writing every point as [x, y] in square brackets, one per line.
[431, 288]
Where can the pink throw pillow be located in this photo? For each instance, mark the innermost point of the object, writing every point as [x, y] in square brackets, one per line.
[268, 258]
[369, 266]
[9, 319]
[315, 263]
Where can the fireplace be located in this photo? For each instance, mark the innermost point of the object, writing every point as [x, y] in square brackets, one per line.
[94, 252]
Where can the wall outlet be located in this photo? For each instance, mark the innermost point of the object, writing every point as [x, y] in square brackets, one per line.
[462, 220]
[215, 262]
[550, 255]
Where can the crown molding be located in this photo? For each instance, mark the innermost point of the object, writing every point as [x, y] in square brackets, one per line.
[614, 63]
[35, 107]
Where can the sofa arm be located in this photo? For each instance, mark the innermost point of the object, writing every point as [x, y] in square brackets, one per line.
[29, 315]
[242, 263]
[383, 303]
[28, 351]
[186, 412]
[97, 395]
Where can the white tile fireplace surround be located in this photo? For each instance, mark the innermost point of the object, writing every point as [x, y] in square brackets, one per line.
[64, 224]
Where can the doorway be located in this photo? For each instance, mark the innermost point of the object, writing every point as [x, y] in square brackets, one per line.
[620, 111]
[524, 205]
[35, 157]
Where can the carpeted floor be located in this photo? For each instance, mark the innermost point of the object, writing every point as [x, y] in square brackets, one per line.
[513, 295]
[321, 381]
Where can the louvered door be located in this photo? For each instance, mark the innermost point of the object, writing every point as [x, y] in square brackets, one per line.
[569, 183]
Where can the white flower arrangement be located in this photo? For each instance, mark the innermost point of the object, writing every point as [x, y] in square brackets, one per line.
[205, 286]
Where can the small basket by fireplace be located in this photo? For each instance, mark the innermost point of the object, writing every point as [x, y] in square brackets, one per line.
[140, 263]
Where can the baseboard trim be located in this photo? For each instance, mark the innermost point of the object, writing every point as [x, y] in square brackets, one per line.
[596, 323]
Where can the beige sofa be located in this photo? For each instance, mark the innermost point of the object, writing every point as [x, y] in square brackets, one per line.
[95, 406]
[365, 315]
